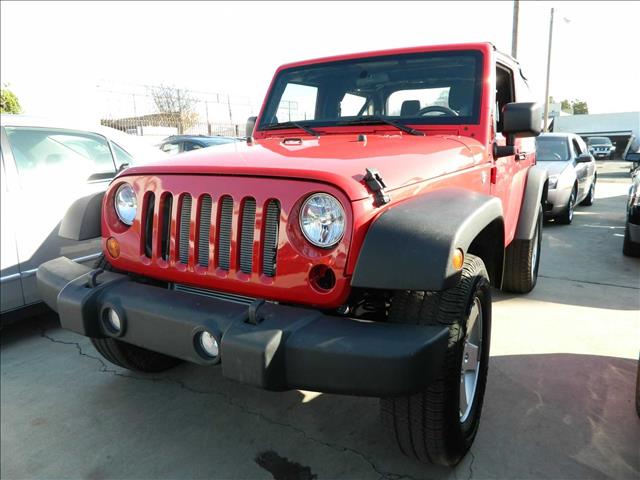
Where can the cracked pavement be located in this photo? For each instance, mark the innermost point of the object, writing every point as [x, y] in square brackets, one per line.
[559, 401]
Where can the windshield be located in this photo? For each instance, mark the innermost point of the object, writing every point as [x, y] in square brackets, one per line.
[424, 88]
[552, 149]
[599, 141]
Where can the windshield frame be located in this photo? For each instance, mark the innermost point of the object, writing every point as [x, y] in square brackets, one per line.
[277, 88]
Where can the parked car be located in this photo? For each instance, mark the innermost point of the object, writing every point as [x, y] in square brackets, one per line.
[347, 246]
[186, 143]
[601, 147]
[572, 174]
[46, 166]
[631, 242]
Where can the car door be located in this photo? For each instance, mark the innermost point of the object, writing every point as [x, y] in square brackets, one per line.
[582, 169]
[52, 168]
[10, 285]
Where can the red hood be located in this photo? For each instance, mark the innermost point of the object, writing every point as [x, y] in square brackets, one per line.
[339, 160]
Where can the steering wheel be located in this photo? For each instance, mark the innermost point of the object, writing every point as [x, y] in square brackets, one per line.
[437, 108]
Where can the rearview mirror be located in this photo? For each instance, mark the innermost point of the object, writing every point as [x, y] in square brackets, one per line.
[583, 158]
[251, 124]
[521, 119]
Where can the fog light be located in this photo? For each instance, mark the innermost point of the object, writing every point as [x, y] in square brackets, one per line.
[113, 320]
[208, 344]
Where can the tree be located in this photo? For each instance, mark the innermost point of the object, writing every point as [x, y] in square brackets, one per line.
[9, 102]
[565, 106]
[175, 103]
[580, 107]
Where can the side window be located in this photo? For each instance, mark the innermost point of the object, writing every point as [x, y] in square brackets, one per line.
[46, 156]
[504, 92]
[298, 102]
[122, 157]
[188, 146]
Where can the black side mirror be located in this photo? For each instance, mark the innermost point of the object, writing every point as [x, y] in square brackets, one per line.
[251, 124]
[521, 119]
[583, 158]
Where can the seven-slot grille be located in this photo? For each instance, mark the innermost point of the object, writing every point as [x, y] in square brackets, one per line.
[214, 226]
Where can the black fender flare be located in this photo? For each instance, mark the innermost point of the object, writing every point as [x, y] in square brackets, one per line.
[82, 221]
[411, 245]
[535, 194]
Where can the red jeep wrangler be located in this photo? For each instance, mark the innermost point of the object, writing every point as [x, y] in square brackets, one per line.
[347, 247]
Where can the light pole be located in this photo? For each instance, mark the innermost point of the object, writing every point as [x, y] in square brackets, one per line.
[514, 31]
[546, 90]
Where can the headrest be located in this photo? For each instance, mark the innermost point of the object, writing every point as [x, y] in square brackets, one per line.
[410, 108]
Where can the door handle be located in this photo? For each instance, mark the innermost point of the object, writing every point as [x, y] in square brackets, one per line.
[521, 156]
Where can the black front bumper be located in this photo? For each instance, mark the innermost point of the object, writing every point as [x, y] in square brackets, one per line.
[287, 347]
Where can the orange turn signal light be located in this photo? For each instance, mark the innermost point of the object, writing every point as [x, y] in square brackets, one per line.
[458, 259]
[113, 247]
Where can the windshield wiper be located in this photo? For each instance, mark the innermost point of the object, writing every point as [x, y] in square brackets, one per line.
[373, 119]
[301, 126]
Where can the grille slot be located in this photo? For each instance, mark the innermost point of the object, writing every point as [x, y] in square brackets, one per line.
[270, 244]
[224, 232]
[185, 224]
[204, 232]
[246, 235]
[147, 230]
[167, 203]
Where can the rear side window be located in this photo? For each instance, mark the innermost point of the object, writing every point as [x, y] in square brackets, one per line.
[50, 155]
[188, 146]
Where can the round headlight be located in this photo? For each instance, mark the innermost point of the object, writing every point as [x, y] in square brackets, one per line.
[126, 204]
[322, 220]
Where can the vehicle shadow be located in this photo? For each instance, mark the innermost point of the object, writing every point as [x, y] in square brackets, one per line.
[553, 416]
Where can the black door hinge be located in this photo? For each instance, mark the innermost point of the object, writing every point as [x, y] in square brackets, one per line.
[374, 182]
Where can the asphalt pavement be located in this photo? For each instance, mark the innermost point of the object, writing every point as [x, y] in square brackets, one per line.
[559, 401]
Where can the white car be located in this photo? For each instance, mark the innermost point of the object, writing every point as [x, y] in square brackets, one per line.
[47, 165]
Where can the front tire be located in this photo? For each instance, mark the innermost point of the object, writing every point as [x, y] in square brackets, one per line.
[522, 261]
[566, 217]
[126, 355]
[439, 424]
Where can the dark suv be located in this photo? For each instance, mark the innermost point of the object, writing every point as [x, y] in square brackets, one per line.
[601, 147]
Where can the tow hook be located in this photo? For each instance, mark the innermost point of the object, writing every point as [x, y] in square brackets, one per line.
[374, 182]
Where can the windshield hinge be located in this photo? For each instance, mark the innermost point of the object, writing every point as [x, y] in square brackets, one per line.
[374, 182]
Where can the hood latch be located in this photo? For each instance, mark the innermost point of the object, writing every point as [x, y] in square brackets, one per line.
[374, 182]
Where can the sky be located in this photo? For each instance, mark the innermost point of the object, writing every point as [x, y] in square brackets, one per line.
[56, 56]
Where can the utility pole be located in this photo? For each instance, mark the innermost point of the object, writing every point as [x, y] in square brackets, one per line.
[546, 91]
[514, 31]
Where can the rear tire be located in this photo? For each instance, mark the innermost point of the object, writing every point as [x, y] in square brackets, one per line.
[566, 217]
[522, 261]
[126, 355]
[588, 200]
[431, 425]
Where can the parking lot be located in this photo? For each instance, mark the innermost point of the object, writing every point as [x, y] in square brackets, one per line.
[559, 402]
